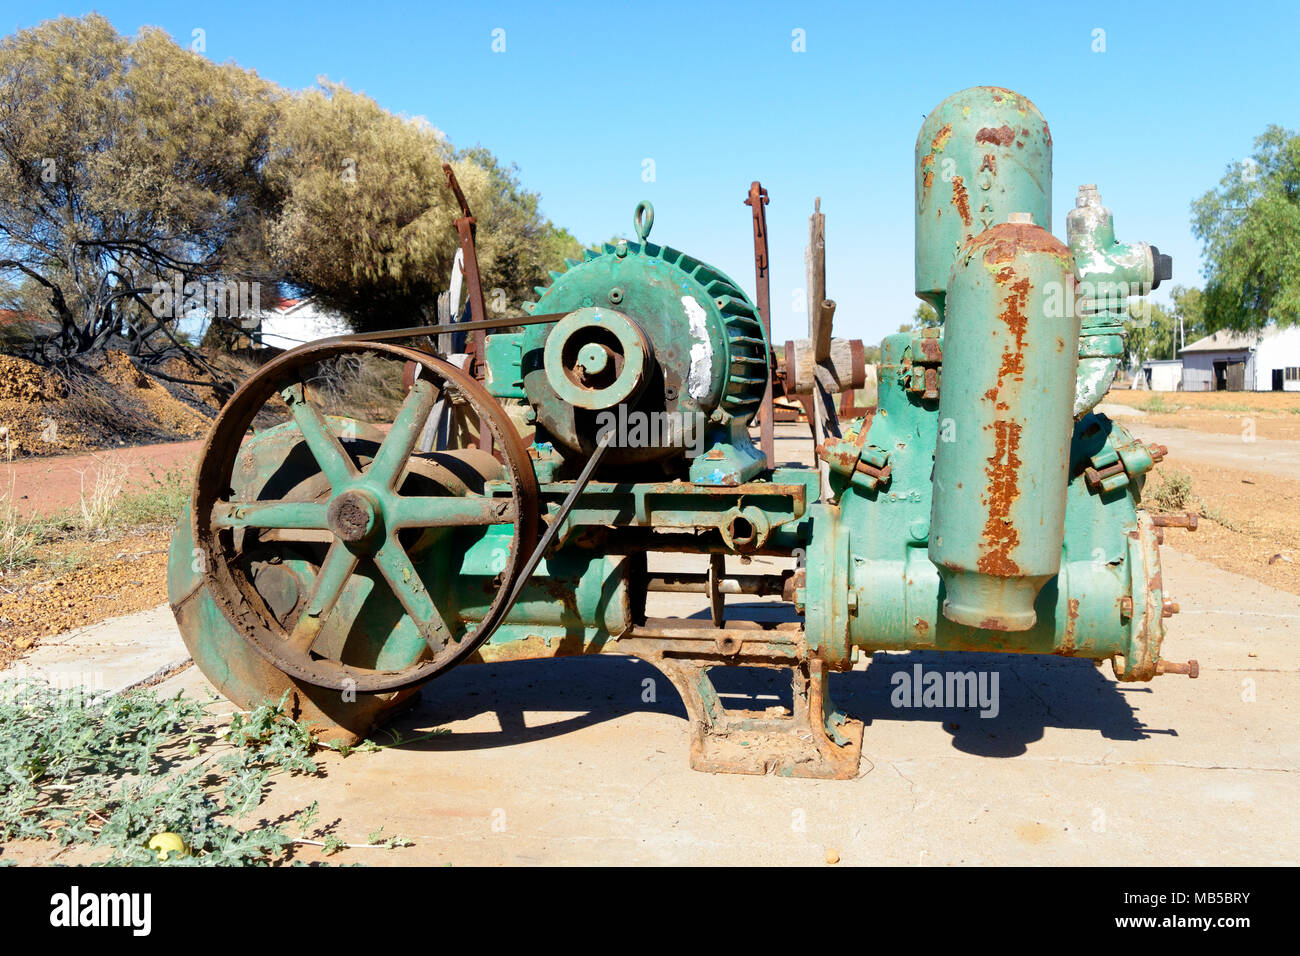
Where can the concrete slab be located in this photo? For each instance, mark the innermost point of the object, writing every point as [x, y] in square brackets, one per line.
[585, 761]
[108, 656]
[1273, 456]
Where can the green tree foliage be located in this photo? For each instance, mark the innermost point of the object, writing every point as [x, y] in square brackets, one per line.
[364, 216]
[1153, 330]
[366, 219]
[1152, 334]
[126, 162]
[123, 162]
[925, 317]
[1250, 228]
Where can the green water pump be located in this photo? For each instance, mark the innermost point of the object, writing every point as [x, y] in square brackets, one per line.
[599, 461]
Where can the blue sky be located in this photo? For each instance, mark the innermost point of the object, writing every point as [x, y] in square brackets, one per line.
[717, 97]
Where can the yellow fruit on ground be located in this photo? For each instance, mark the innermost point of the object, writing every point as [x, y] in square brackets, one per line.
[165, 844]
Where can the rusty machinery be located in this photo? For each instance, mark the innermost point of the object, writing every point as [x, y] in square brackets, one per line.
[982, 506]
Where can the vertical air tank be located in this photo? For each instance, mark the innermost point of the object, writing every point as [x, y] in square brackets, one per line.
[1007, 380]
[1010, 355]
[981, 155]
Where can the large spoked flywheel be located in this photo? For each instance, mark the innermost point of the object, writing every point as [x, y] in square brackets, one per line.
[358, 540]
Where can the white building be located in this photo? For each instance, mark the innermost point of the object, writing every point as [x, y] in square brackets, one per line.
[295, 321]
[1160, 375]
[1263, 361]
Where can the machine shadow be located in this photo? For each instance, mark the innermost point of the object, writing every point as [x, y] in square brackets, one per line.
[1025, 695]
[591, 689]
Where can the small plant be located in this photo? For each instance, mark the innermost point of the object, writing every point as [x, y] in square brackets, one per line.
[1215, 514]
[1157, 405]
[149, 780]
[1173, 491]
[159, 504]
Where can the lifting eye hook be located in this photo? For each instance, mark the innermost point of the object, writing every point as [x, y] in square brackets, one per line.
[643, 219]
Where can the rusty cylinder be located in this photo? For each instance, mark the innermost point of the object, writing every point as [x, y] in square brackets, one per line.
[1010, 348]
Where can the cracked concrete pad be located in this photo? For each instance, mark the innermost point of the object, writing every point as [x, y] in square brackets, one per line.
[585, 761]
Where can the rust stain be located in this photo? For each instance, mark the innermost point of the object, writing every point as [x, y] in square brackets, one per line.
[1000, 535]
[1002, 136]
[941, 137]
[1003, 471]
[1047, 134]
[961, 200]
[1001, 243]
[1067, 647]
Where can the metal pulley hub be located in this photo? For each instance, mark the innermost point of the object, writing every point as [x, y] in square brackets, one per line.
[597, 358]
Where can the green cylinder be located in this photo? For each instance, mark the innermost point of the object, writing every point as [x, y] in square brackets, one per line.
[981, 155]
[1005, 402]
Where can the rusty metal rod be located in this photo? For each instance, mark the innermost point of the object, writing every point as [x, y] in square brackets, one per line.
[759, 585]
[767, 410]
[414, 331]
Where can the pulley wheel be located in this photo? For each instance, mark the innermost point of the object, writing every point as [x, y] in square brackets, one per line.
[362, 515]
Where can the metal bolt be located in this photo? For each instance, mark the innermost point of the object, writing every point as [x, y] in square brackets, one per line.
[1186, 520]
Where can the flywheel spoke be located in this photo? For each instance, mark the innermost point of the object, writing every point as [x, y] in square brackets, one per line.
[270, 514]
[337, 567]
[434, 512]
[325, 446]
[391, 458]
[402, 577]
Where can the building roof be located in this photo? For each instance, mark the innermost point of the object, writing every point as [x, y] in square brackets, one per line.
[1227, 341]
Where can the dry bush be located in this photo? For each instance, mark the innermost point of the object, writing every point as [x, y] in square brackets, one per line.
[362, 386]
[19, 536]
[1173, 491]
[98, 506]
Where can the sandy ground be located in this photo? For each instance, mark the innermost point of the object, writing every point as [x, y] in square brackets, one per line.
[1257, 414]
[1250, 490]
[43, 486]
[568, 762]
